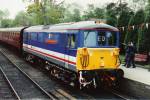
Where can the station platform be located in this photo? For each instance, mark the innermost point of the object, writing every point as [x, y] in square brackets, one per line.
[137, 74]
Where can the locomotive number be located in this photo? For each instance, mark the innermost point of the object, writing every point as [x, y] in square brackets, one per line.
[101, 38]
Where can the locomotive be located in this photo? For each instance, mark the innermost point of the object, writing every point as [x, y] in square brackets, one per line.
[85, 52]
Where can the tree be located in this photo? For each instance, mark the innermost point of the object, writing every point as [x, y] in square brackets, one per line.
[34, 11]
[6, 23]
[146, 37]
[3, 15]
[75, 16]
[125, 18]
[111, 14]
[89, 13]
[22, 19]
[92, 12]
[46, 11]
[99, 13]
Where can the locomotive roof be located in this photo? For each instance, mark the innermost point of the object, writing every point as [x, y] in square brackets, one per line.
[65, 27]
[15, 29]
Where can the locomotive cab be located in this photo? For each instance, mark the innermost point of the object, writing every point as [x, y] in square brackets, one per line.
[98, 59]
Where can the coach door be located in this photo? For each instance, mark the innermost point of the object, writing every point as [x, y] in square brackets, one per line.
[70, 50]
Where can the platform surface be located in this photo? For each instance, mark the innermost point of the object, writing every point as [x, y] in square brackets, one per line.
[137, 74]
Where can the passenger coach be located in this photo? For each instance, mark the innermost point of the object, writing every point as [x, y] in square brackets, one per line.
[12, 36]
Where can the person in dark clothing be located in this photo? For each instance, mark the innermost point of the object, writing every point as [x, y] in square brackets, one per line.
[127, 54]
[131, 50]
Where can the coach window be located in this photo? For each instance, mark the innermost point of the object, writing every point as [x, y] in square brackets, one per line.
[71, 40]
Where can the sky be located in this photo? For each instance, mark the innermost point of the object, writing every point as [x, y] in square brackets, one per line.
[14, 6]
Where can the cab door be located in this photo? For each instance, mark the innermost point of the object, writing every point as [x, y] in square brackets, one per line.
[70, 50]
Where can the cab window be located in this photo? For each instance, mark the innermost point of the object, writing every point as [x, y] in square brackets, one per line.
[100, 38]
[90, 38]
[71, 41]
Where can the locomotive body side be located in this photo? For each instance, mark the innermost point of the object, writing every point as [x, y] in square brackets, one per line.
[83, 51]
[51, 47]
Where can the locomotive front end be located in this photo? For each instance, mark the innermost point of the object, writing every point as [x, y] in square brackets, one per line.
[97, 58]
[98, 61]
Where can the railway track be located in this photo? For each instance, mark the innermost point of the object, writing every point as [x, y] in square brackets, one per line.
[122, 96]
[53, 88]
[118, 94]
[10, 85]
[6, 89]
[21, 84]
[45, 84]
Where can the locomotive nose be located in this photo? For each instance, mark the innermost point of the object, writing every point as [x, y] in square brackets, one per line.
[97, 58]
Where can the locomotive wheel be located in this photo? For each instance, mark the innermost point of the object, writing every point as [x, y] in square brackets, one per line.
[119, 78]
[119, 74]
[52, 72]
[28, 58]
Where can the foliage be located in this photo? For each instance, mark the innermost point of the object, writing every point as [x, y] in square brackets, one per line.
[22, 19]
[75, 16]
[3, 18]
[46, 11]
[4, 14]
[93, 12]
[6, 23]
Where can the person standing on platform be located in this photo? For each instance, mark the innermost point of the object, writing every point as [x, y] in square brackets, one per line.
[131, 50]
[126, 53]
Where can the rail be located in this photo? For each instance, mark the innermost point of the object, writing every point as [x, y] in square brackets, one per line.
[50, 95]
[9, 83]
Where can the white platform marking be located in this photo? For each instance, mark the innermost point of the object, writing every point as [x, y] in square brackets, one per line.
[137, 74]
